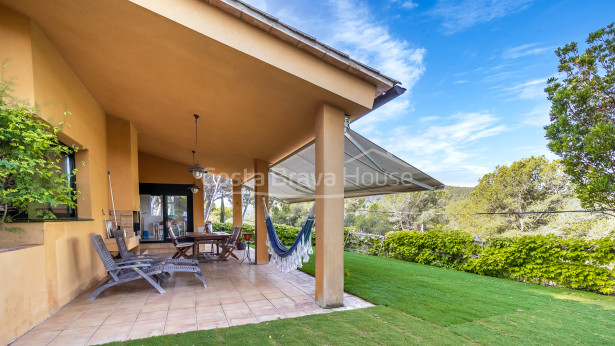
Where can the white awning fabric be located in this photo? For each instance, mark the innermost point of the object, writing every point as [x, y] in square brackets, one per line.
[369, 170]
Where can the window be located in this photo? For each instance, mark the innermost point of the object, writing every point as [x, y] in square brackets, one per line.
[61, 211]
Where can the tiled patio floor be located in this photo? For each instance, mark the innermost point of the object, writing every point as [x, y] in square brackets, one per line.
[236, 294]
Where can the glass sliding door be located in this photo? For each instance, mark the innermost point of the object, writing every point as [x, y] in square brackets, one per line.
[177, 213]
[164, 206]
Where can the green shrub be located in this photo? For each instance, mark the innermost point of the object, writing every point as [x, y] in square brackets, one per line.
[548, 260]
[449, 249]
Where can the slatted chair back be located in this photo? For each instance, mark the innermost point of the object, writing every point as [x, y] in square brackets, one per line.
[120, 239]
[234, 236]
[103, 253]
[172, 235]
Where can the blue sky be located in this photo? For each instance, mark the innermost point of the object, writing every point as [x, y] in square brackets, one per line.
[475, 72]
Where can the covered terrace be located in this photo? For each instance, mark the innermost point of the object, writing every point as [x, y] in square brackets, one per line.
[128, 77]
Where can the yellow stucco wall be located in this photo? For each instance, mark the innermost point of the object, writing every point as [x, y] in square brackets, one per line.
[45, 277]
[123, 156]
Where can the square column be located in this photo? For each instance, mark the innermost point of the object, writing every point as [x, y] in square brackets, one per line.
[237, 204]
[261, 188]
[329, 223]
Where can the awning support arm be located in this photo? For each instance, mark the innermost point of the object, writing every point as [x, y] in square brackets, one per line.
[381, 168]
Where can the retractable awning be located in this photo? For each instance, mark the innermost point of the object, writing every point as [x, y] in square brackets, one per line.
[369, 170]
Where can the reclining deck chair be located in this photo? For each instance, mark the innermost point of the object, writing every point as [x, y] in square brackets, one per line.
[127, 255]
[230, 244]
[126, 271]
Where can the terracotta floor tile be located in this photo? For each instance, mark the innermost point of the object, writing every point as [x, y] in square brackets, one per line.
[241, 313]
[213, 325]
[253, 297]
[234, 306]
[277, 302]
[152, 315]
[274, 295]
[211, 316]
[78, 336]
[207, 301]
[265, 310]
[263, 318]
[42, 337]
[231, 300]
[179, 328]
[88, 322]
[150, 324]
[189, 312]
[109, 333]
[242, 321]
[155, 307]
[115, 318]
[237, 294]
[258, 303]
[144, 333]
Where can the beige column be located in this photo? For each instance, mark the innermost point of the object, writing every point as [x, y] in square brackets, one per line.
[237, 204]
[198, 206]
[261, 188]
[329, 207]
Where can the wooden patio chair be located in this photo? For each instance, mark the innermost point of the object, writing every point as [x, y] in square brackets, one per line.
[181, 247]
[230, 244]
[131, 270]
[127, 255]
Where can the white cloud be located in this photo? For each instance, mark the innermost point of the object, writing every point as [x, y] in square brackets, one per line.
[407, 4]
[356, 32]
[526, 50]
[531, 90]
[463, 14]
[391, 110]
[460, 82]
[447, 142]
[538, 116]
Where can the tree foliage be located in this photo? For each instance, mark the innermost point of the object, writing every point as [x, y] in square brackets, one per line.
[529, 185]
[30, 155]
[582, 129]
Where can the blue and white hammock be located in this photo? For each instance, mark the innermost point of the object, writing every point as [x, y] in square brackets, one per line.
[290, 258]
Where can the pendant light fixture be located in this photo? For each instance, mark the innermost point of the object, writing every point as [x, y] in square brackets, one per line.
[196, 169]
[193, 188]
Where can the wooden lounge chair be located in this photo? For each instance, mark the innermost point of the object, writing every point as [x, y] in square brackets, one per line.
[127, 255]
[181, 247]
[126, 271]
[230, 244]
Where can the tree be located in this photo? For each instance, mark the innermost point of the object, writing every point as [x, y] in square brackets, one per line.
[529, 185]
[414, 209]
[30, 154]
[582, 128]
[373, 220]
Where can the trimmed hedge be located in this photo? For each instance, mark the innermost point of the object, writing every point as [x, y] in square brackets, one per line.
[448, 249]
[541, 259]
[548, 260]
[287, 234]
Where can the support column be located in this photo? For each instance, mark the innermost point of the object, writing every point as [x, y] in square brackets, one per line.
[329, 207]
[198, 206]
[261, 188]
[237, 204]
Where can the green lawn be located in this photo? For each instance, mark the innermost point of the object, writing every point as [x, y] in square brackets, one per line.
[420, 304]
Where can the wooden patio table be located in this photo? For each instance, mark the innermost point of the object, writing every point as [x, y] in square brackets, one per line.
[202, 236]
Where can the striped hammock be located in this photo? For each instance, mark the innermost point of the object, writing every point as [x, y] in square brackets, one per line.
[289, 258]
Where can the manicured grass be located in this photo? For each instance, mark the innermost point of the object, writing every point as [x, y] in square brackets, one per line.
[421, 304]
